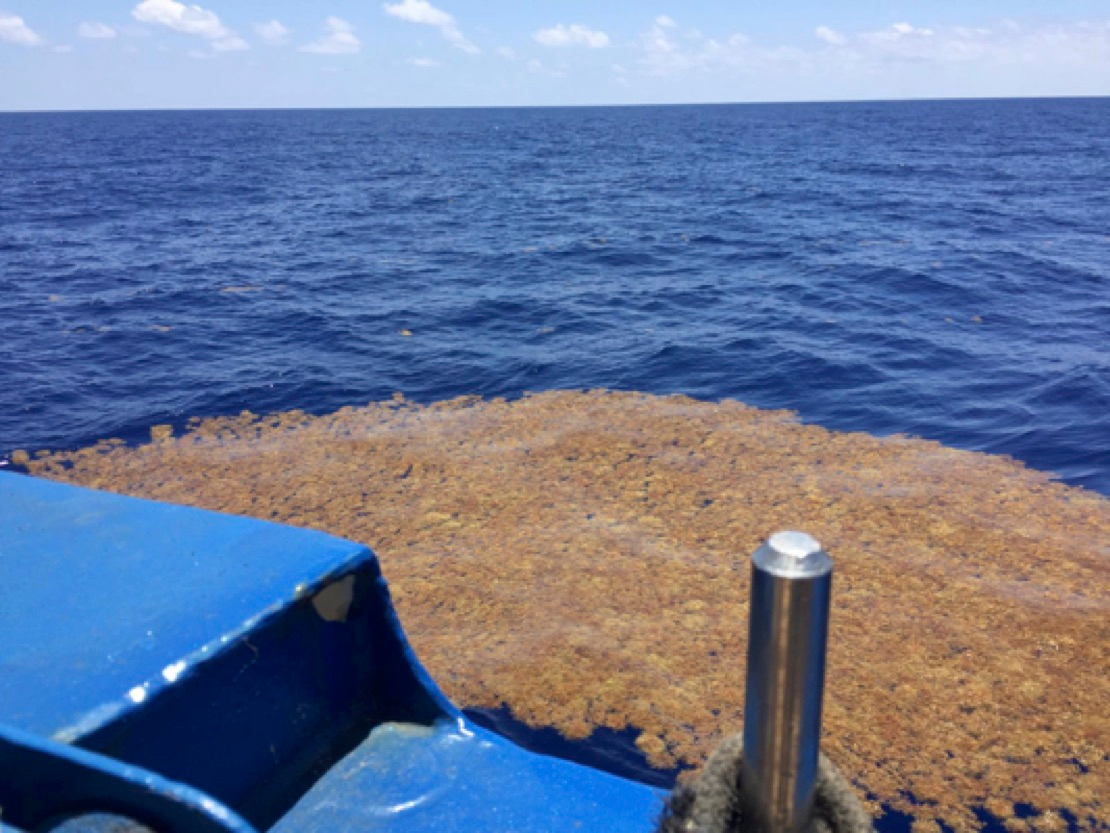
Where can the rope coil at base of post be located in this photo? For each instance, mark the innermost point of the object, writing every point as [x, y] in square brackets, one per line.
[772, 778]
[714, 803]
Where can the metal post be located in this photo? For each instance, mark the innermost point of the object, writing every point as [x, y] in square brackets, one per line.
[787, 637]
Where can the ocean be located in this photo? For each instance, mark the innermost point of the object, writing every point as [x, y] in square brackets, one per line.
[935, 268]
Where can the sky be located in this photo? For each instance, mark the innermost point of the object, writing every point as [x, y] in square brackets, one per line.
[138, 54]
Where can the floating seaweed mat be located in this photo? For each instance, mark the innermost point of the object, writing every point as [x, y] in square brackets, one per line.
[583, 558]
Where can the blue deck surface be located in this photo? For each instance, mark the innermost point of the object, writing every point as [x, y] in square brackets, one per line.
[203, 671]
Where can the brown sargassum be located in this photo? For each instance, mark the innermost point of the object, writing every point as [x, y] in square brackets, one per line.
[583, 557]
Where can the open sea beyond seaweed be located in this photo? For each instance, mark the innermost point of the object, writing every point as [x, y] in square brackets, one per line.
[940, 269]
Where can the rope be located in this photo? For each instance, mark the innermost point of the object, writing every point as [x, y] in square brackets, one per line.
[713, 804]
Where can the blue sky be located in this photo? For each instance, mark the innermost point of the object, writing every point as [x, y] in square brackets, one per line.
[112, 54]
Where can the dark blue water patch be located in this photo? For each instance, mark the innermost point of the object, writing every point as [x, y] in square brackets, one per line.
[605, 749]
[891, 820]
[932, 268]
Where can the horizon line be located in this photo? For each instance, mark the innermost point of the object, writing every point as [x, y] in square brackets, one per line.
[614, 105]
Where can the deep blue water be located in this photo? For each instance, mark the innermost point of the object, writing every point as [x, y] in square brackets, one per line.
[934, 268]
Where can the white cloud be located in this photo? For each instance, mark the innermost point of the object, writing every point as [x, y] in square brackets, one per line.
[425, 14]
[830, 36]
[507, 53]
[907, 29]
[62, 48]
[273, 32]
[657, 43]
[539, 68]
[95, 31]
[1081, 45]
[420, 11]
[899, 58]
[573, 35]
[14, 30]
[190, 20]
[424, 63]
[339, 39]
[895, 33]
[231, 44]
[666, 21]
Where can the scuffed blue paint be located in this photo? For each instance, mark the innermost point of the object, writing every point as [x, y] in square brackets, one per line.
[456, 776]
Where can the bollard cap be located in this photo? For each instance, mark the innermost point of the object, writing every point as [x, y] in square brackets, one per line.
[792, 555]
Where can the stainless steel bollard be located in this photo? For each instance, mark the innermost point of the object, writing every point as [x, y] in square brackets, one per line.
[787, 637]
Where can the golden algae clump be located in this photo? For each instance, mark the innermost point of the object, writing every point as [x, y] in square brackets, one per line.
[161, 433]
[583, 557]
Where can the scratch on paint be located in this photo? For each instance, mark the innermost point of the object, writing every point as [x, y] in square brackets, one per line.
[254, 659]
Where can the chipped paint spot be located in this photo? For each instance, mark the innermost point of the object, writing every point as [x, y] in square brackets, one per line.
[334, 601]
[172, 672]
[137, 694]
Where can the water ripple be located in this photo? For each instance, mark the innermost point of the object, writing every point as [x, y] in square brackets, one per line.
[933, 268]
